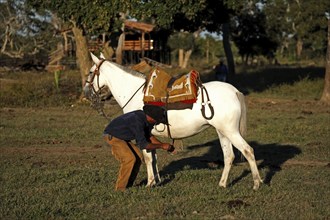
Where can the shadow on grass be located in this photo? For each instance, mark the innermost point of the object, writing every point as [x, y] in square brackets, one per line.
[272, 156]
[261, 79]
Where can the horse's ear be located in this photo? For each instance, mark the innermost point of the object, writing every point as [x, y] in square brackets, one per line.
[102, 56]
[95, 59]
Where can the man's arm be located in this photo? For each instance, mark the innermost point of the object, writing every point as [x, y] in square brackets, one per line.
[156, 144]
[164, 146]
[154, 140]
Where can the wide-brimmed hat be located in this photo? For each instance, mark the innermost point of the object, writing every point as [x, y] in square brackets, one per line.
[156, 112]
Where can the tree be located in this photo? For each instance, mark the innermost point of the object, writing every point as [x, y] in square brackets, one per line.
[85, 18]
[210, 47]
[183, 43]
[326, 91]
[89, 17]
[190, 16]
[22, 30]
[178, 16]
[298, 23]
[250, 34]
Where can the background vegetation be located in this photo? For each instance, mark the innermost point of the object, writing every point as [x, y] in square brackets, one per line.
[277, 29]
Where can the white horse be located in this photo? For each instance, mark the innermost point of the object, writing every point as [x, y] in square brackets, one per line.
[229, 118]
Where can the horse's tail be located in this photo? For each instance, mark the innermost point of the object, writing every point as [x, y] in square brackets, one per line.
[242, 122]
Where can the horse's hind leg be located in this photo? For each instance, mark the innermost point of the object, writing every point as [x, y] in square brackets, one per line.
[228, 156]
[248, 153]
[150, 158]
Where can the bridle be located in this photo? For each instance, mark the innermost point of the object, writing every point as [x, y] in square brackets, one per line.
[96, 95]
[96, 73]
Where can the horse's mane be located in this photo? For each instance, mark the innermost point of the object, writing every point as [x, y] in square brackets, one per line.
[130, 71]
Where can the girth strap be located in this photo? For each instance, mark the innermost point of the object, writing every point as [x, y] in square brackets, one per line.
[208, 102]
[169, 85]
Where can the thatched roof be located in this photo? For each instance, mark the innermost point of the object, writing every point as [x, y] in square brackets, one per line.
[140, 26]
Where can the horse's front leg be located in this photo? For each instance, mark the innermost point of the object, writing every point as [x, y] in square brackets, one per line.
[150, 158]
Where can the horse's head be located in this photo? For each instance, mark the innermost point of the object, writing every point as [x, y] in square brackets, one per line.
[95, 83]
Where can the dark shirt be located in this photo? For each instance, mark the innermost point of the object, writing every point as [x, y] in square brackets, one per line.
[221, 69]
[131, 126]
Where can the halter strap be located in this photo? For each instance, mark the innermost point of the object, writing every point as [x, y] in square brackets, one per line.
[96, 72]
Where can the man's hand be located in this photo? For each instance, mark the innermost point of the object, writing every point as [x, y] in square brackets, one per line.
[169, 148]
[106, 138]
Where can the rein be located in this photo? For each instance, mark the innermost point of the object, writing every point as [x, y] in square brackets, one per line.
[133, 95]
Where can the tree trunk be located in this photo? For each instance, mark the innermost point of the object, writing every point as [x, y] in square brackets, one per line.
[326, 91]
[207, 50]
[181, 53]
[228, 51]
[119, 50]
[83, 57]
[66, 45]
[186, 58]
[142, 45]
[108, 51]
[299, 48]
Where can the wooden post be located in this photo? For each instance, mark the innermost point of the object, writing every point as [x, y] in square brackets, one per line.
[119, 50]
[142, 46]
[326, 90]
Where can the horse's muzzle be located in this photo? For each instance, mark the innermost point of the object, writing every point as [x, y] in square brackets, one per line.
[87, 92]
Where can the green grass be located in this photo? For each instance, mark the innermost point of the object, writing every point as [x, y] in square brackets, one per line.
[54, 164]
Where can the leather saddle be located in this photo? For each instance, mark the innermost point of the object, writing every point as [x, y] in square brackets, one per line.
[177, 92]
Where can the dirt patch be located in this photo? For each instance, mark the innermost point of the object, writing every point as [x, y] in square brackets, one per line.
[306, 163]
[237, 203]
[55, 157]
[305, 107]
[292, 162]
[51, 150]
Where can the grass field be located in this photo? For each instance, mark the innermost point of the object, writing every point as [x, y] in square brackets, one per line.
[54, 164]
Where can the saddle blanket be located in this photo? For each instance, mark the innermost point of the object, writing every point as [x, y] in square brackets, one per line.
[162, 88]
[142, 67]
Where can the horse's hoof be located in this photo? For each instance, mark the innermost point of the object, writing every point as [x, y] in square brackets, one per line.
[150, 185]
[223, 185]
[153, 184]
[257, 185]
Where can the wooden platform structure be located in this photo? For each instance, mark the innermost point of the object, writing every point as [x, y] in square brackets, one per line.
[142, 43]
[144, 40]
[138, 45]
